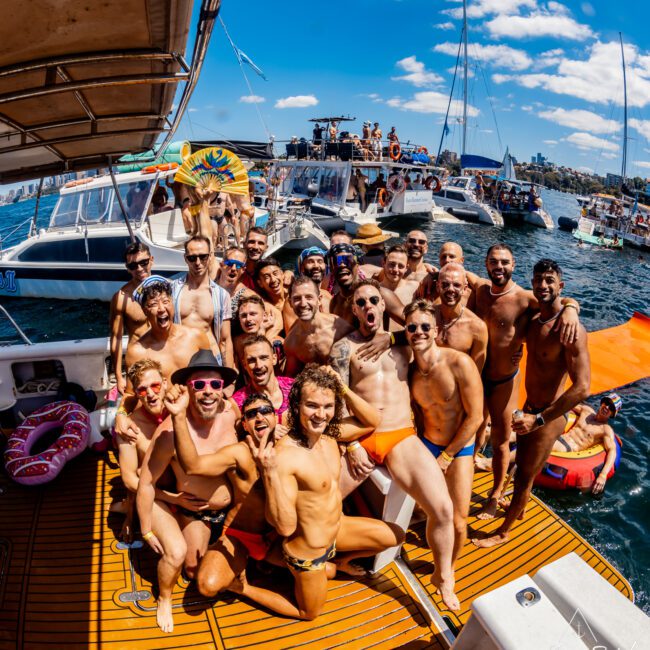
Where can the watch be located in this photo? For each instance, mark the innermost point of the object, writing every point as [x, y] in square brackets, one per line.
[539, 420]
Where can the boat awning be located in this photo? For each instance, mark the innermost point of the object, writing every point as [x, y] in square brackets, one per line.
[84, 81]
[242, 148]
[470, 161]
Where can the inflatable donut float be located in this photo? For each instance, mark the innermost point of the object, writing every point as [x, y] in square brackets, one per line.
[43, 467]
[566, 470]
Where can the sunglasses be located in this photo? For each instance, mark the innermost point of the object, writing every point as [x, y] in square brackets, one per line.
[201, 256]
[200, 384]
[361, 302]
[413, 240]
[132, 266]
[412, 328]
[141, 391]
[251, 414]
[236, 263]
[343, 260]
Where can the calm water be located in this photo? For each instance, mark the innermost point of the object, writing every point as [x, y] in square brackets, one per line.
[610, 286]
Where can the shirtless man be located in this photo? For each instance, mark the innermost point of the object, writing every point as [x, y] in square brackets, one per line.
[310, 340]
[590, 428]
[303, 501]
[507, 310]
[270, 279]
[202, 304]
[253, 320]
[149, 386]
[457, 326]
[311, 262]
[126, 315]
[232, 269]
[384, 384]
[416, 248]
[256, 244]
[182, 534]
[395, 267]
[447, 400]
[376, 136]
[258, 361]
[548, 363]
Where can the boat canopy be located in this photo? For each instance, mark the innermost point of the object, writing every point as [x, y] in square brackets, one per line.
[469, 161]
[83, 83]
[242, 148]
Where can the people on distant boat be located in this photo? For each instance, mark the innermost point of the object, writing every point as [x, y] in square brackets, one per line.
[551, 358]
[392, 135]
[366, 139]
[361, 182]
[125, 314]
[181, 531]
[478, 180]
[376, 136]
[160, 200]
[317, 139]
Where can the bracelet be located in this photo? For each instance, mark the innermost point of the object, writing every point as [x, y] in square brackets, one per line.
[121, 411]
[573, 305]
[344, 388]
[392, 338]
[149, 535]
[446, 456]
[355, 444]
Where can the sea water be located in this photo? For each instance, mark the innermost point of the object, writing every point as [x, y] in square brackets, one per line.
[610, 286]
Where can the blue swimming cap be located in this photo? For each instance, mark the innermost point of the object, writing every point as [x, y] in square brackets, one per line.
[152, 279]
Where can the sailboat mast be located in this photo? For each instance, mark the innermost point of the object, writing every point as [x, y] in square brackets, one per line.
[464, 76]
[624, 161]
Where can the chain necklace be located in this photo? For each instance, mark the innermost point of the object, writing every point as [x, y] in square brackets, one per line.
[548, 320]
[445, 327]
[426, 374]
[503, 293]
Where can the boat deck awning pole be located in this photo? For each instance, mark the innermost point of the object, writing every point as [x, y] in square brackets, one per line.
[32, 228]
[119, 199]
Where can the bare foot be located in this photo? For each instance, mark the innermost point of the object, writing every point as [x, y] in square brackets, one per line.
[446, 590]
[489, 541]
[164, 616]
[483, 464]
[350, 569]
[489, 510]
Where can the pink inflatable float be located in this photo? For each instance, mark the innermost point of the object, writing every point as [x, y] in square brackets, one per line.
[43, 467]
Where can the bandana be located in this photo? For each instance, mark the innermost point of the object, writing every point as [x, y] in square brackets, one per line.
[310, 252]
[152, 279]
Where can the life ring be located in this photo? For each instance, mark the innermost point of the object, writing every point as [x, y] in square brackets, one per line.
[382, 197]
[396, 184]
[43, 467]
[423, 150]
[394, 151]
[564, 470]
[81, 181]
[163, 167]
[429, 184]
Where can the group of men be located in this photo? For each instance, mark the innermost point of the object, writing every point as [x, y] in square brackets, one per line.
[256, 399]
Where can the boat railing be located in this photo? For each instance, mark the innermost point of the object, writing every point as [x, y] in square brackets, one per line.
[17, 327]
[9, 231]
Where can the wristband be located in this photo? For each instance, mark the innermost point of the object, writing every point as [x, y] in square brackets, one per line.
[355, 444]
[148, 536]
[345, 388]
[573, 305]
[446, 456]
[392, 338]
[121, 411]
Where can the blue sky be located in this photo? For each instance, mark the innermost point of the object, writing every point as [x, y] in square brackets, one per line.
[549, 72]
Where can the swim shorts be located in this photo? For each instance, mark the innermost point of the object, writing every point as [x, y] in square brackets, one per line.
[380, 443]
[317, 564]
[436, 450]
[256, 544]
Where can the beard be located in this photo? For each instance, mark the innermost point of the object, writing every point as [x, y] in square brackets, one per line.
[502, 280]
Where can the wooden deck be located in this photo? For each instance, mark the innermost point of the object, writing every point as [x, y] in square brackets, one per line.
[65, 582]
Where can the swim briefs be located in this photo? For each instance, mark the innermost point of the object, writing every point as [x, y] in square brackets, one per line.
[436, 450]
[317, 564]
[490, 384]
[214, 519]
[564, 443]
[256, 544]
[380, 443]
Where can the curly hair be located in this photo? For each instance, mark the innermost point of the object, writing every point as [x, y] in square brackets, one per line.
[313, 375]
[141, 366]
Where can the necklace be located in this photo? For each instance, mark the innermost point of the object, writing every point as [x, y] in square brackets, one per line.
[426, 374]
[548, 320]
[503, 293]
[447, 326]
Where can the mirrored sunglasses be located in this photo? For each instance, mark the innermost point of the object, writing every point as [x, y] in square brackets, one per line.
[141, 391]
[238, 264]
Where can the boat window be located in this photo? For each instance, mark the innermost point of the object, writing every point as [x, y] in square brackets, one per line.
[94, 205]
[456, 196]
[332, 183]
[135, 197]
[284, 174]
[303, 176]
[65, 211]
[100, 250]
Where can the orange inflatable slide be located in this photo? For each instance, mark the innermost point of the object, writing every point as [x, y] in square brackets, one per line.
[620, 355]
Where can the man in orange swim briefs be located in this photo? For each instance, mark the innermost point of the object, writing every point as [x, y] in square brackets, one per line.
[383, 383]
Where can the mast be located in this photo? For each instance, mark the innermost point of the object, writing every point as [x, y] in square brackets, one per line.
[464, 76]
[624, 161]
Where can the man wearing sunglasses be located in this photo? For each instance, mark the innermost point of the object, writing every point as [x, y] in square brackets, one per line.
[182, 532]
[232, 269]
[383, 383]
[447, 401]
[126, 315]
[201, 303]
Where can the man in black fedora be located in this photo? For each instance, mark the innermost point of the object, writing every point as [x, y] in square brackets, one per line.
[181, 525]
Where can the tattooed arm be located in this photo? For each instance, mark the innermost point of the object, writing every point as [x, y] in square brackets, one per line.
[340, 359]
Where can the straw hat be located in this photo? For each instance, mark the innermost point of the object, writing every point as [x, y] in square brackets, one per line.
[370, 233]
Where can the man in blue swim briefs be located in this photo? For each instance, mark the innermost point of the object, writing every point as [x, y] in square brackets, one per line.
[447, 401]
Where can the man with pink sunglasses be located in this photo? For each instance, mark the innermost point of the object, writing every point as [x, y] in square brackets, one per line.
[182, 531]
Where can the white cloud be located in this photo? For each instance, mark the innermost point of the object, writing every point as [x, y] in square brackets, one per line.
[548, 59]
[596, 78]
[642, 163]
[579, 119]
[500, 56]
[642, 126]
[192, 110]
[587, 141]
[482, 8]
[296, 101]
[252, 99]
[431, 102]
[552, 22]
[417, 75]
[609, 156]
[588, 9]
[550, 143]
[445, 26]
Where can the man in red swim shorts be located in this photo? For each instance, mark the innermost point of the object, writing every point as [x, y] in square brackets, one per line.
[383, 383]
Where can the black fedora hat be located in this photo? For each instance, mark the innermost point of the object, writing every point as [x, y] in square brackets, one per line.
[204, 360]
